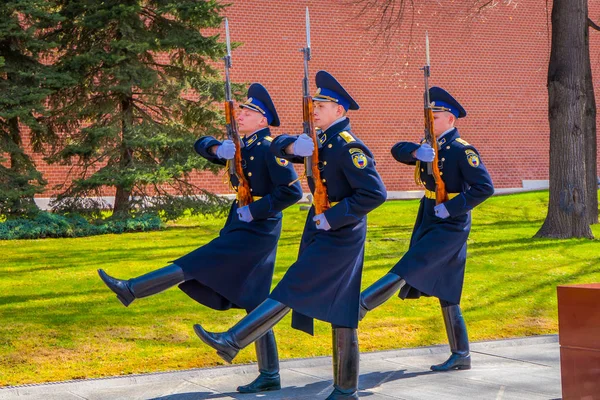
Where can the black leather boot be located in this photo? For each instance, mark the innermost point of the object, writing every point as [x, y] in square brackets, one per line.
[268, 366]
[379, 292]
[458, 339]
[345, 364]
[250, 328]
[145, 285]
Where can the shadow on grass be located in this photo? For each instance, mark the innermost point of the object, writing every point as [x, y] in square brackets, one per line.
[45, 296]
[535, 289]
[513, 245]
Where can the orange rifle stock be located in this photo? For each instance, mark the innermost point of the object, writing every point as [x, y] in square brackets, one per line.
[244, 195]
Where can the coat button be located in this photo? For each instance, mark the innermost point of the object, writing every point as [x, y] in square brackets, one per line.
[441, 173]
[258, 144]
[422, 169]
[447, 147]
[324, 180]
[330, 145]
[324, 162]
[249, 173]
[251, 158]
[443, 159]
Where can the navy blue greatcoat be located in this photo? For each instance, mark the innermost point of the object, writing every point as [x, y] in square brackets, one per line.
[434, 264]
[324, 282]
[236, 268]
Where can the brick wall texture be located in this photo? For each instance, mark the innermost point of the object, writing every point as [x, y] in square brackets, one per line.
[494, 63]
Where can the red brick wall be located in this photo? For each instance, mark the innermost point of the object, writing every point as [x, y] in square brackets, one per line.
[495, 64]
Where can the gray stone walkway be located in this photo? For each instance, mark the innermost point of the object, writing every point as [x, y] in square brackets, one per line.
[526, 368]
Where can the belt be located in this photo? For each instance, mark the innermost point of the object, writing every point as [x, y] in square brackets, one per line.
[254, 198]
[431, 195]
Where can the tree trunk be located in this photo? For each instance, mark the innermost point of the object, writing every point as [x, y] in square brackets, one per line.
[122, 207]
[567, 104]
[591, 163]
[20, 166]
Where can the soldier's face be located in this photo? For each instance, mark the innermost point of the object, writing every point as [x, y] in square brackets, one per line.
[326, 112]
[442, 121]
[250, 121]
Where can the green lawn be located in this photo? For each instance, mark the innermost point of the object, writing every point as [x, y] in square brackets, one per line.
[58, 321]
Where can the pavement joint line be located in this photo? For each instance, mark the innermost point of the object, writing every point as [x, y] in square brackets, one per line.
[524, 390]
[512, 359]
[386, 378]
[380, 394]
[77, 395]
[201, 386]
[311, 375]
[500, 393]
[208, 388]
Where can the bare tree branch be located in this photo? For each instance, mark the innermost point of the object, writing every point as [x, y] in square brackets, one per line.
[592, 24]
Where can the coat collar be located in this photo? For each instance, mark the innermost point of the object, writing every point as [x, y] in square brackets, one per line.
[333, 131]
[448, 138]
[256, 137]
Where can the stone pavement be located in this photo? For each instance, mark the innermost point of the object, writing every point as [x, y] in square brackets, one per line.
[525, 368]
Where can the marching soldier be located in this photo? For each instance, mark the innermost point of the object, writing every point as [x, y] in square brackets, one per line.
[324, 282]
[235, 269]
[434, 264]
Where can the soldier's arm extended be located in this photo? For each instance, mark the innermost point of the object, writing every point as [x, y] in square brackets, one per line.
[282, 173]
[403, 152]
[477, 177]
[278, 148]
[368, 189]
[203, 147]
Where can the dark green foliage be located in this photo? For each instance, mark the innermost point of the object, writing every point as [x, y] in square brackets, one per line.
[25, 83]
[50, 225]
[124, 123]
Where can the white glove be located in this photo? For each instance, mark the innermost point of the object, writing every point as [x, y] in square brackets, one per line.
[441, 211]
[322, 222]
[425, 153]
[244, 214]
[303, 146]
[226, 150]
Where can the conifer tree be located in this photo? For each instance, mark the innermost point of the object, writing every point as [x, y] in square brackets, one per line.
[25, 83]
[128, 122]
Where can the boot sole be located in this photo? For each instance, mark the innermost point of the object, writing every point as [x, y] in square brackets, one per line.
[458, 368]
[125, 300]
[269, 389]
[225, 356]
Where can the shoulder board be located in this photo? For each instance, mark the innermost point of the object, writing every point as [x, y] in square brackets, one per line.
[347, 137]
[463, 142]
[268, 138]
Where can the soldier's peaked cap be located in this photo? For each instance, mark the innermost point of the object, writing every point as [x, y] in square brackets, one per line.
[329, 89]
[259, 100]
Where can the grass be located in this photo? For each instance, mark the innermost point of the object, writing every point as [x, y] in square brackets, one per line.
[58, 321]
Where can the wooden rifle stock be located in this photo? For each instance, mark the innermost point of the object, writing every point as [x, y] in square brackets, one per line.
[320, 198]
[441, 195]
[244, 195]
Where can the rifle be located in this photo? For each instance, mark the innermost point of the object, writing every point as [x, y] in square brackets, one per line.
[244, 196]
[320, 198]
[432, 167]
